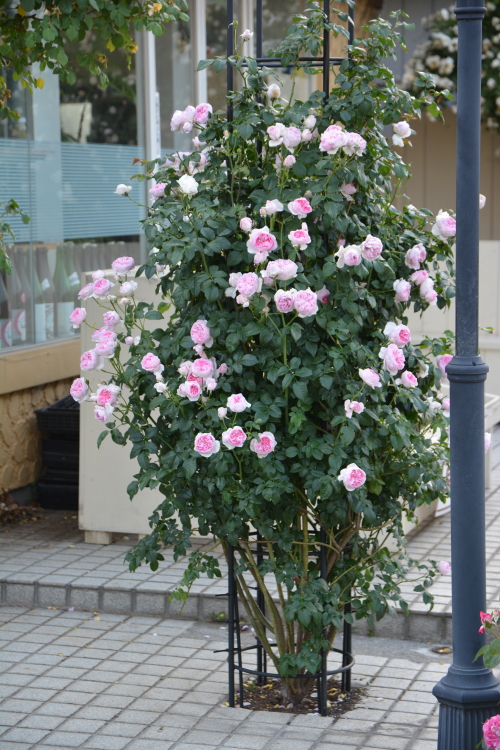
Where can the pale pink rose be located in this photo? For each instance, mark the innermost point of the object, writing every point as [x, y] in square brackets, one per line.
[105, 347]
[305, 302]
[98, 275]
[107, 394]
[243, 301]
[415, 256]
[111, 319]
[129, 340]
[202, 113]
[310, 122]
[273, 91]
[482, 201]
[408, 379]
[78, 316]
[101, 287]
[353, 406]
[300, 207]
[332, 139]
[370, 377]
[128, 288]
[96, 336]
[289, 161]
[205, 444]
[90, 360]
[352, 477]
[247, 35]
[160, 387]
[282, 269]
[371, 248]
[300, 237]
[199, 349]
[276, 134]
[402, 289]
[79, 390]
[402, 129]
[284, 300]
[419, 277]
[427, 291]
[397, 334]
[86, 291]
[446, 405]
[222, 412]
[249, 284]
[192, 390]
[393, 358]
[122, 189]
[233, 281]
[491, 733]
[151, 363]
[123, 265]
[246, 224]
[323, 295]
[355, 144]
[444, 568]
[233, 438]
[158, 190]
[261, 241]
[210, 384]
[237, 403]
[178, 120]
[272, 207]
[264, 445]
[223, 368]
[351, 255]
[442, 360]
[306, 135]
[102, 413]
[348, 190]
[292, 137]
[260, 257]
[193, 379]
[203, 368]
[197, 143]
[184, 368]
[200, 333]
[445, 226]
[487, 441]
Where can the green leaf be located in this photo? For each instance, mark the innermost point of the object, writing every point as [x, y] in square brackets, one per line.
[101, 437]
[204, 64]
[219, 64]
[300, 390]
[347, 435]
[299, 169]
[296, 331]
[249, 360]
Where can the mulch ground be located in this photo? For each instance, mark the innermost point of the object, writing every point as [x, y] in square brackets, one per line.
[12, 513]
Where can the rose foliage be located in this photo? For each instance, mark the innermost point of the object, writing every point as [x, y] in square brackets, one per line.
[305, 411]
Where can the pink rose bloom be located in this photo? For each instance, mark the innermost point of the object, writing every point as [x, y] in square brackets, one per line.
[442, 360]
[79, 390]
[192, 390]
[323, 295]
[397, 334]
[184, 368]
[193, 379]
[205, 444]
[264, 445]
[96, 336]
[282, 269]
[485, 617]
[300, 237]
[444, 568]
[86, 291]
[351, 255]
[151, 363]
[90, 361]
[371, 248]
[78, 316]
[408, 379]
[393, 358]
[222, 412]
[223, 368]
[129, 340]
[353, 406]
[419, 277]
[98, 275]
[101, 287]
[237, 403]
[107, 394]
[487, 441]
[246, 224]
[415, 256]
[105, 347]
[370, 377]
[123, 265]
[276, 133]
[491, 733]
[248, 284]
[284, 300]
[332, 139]
[200, 333]
[101, 413]
[348, 190]
[482, 201]
[158, 190]
[445, 226]
[402, 289]
[202, 113]
[233, 438]
[292, 137]
[306, 135]
[178, 120]
[271, 207]
[289, 161]
[111, 319]
[446, 406]
[128, 288]
[202, 368]
[309, 122]
[305, 302]
[210, 384]
[261, 241]
[355, 144]
[427, 291]
[300, 207]
[352, 477]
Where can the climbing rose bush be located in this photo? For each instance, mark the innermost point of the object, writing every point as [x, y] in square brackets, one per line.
[286, 394]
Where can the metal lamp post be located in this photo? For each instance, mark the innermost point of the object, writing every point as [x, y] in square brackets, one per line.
[469, 693]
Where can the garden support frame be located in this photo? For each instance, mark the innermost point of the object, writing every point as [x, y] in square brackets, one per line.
[469, 693]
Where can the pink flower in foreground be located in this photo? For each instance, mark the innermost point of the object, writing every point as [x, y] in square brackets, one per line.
[348, 255]
[271, 207]
[491, 733]
[292, 137]
[200, 333]
[348, 190]
[90, 361]
[192, 390]
[397, 334]
[158, 190]
[86, 291]
[203, 368]
[353, 406]
[184, 368]
[261, 241]
[444, 567]
[282, 269]
[305, 302]
[151, 363]
[371, 248]
[222, 412]
[237, 403]
[248, 284]
[355, 144]
[246, 224]
[264, 445]
[78, 316]
[289, 161]
[202, 113]
[284, 300]
[402, 289]
[111, 319]
[442, 360]
[393, 358]
[233, 438]
[79, 390]
[300, 237]
[352, 477]
[445, 226]
[101, 287]
[408, 379]
[123, 265]
[419, 277]
[300, 207]
[102, 413]
[322, 295]
[427, 291]
[205, 444]
[446, 406]
[487, 441]
[105, 347]
[370, 377]
[223, 368]
[276, 133]
[485, 617]
[107, 394]
[332, 139]
[415, 256]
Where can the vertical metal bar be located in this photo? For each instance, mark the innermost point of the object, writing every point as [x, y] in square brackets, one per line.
[238, 642]
[469, 693]
[230, 622]
[351, 25]
[230, 53]
[346, 649]
[323, 680]
[261, 655]
[259, 30]
[326, 50]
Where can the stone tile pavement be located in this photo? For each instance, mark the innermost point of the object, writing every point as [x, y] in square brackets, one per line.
[114, 682]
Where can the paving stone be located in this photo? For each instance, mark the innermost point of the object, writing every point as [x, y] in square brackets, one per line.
[37, 721]
[105, 742]
[120, 728]
[25, 734]
[65, 739]
[150, 745]
[83, 725]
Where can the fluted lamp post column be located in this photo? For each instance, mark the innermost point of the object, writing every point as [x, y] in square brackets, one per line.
[469, 693]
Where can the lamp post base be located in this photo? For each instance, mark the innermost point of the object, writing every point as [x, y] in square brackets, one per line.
[467, 698]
